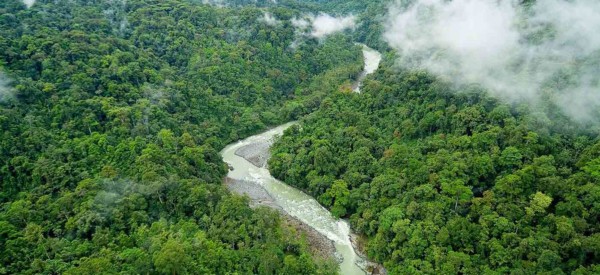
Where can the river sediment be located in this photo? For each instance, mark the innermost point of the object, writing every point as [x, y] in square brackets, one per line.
[319, 245]
[372, 268]
[257, 154]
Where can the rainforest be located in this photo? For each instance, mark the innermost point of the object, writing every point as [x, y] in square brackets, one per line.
[299, 137]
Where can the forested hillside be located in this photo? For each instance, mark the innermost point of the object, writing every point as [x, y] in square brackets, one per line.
[440, 181]
[112, 115]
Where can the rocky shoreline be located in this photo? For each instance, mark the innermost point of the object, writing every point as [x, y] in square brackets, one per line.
[366, 265]
[319, 245]
[257, 194]
[256, 153]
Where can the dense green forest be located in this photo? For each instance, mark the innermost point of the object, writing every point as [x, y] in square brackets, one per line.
[112, 116]
[444, 179]
[441, 181]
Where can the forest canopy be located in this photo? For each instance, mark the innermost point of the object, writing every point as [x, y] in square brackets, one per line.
[112, 115]
[447, 181]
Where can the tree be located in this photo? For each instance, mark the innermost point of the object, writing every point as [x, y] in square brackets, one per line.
[538, 204]
[458, 192]
[337, 197]
[172, 258]
[511, 157]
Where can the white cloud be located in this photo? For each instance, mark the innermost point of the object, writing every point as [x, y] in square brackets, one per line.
[512, 51]
[28, 3]
[300, 23]
[325, 24]
[6, 92]
[320, 26]
[269, 19]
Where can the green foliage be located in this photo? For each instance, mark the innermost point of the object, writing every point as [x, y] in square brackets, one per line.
[449, 182]
[336, 197]
[109, 142]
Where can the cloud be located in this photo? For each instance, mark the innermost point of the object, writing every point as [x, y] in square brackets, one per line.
[269, 19]
[116, 192]
[117, 15]
[518, 53]
[218, 3]
[28, 3]
[320, 26]
[6, 92]
[300, 23]
[325, 24]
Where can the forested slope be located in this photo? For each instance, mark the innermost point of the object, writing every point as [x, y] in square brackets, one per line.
[441, 181]
[112, 116]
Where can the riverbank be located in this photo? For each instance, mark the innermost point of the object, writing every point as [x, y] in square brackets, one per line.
[366, 265]
[257, 153]
[320, 246]
[372, 58]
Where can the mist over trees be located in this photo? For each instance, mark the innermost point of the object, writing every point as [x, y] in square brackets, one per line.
[542, 52]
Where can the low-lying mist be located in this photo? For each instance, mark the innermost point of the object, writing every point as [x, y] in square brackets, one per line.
[547, 51]
[269, 19]
[6, 91]
[28, 3]
[324, 24]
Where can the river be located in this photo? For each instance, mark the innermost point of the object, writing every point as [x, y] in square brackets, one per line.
[249, 175]
[372, 58]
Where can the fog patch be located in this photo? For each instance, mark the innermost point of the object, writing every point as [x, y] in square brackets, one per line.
[115, 192]
[300, 24]
[269, 19]
[116, 13]
[548, 50]
[320, 26]
[28, 3]
[217, 3]
[6, 91]
[325, 24]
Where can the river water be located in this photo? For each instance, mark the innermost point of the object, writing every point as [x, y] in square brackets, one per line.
[372, 59]
[291, 200]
